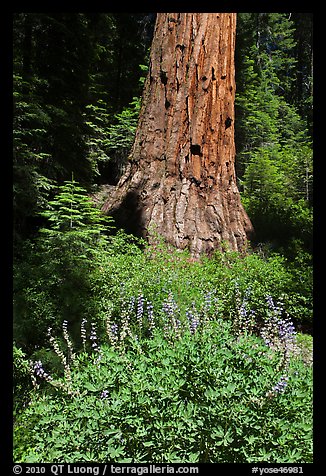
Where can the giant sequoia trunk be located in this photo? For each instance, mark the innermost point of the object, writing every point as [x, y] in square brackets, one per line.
[181, 180]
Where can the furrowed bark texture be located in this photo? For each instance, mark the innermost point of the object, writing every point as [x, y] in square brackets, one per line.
[181, 176]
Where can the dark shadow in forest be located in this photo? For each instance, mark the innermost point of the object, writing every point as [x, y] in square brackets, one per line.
[129, 215]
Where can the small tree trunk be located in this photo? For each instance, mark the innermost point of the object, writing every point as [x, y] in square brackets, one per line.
[181, 176]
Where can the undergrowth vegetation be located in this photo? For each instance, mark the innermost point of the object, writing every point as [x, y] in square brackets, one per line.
[191, 390]
[129, 352]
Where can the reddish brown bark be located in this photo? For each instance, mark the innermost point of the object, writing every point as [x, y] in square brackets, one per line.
[181, 176]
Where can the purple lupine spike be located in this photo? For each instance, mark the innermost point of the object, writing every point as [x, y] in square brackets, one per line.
[150, 316]
[281, 384]
[140, 309]
[37, 368]
[104, 394]
[193, 321]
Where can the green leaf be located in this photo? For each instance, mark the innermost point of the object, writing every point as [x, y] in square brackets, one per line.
[115, 452]
[148, 443]
[92, 388]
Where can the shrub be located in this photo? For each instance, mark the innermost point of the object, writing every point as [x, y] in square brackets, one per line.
[230, 277]
[54, 280]
[21, 379]
[192, 392]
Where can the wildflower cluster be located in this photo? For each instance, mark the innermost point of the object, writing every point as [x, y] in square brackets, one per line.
[111, 328]
[171, 314]
[193, 319]
[37, 370]
[140, 310]
[245, 319]
[281, 384]
[277, 331]
[94, 340]
[210, 305]
[279, 334]
[71, 354]
[112, 333]
[136, 319]
[93, 337]
[150, 316]
[64, 360]
[130, 321]
[83, 332]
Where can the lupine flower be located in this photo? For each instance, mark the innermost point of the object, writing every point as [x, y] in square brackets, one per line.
[37, 369]
[68, 341]
[95, 346]
[171, 310]
[150, 316]
[276, 310]
[281, 384]
[140, 309]
[193, 321]
[194, 325]
[169, 306]
[207, 308]
[176, 324]
[111, 330]
[60, 354]
[278, 332]
[104, 394]
[208, 301]
[127, 310]
[246, 317]
[93, 337]
[83, 332]
[286, 329]
[56, 347]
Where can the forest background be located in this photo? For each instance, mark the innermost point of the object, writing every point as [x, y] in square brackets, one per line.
[77, 88]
